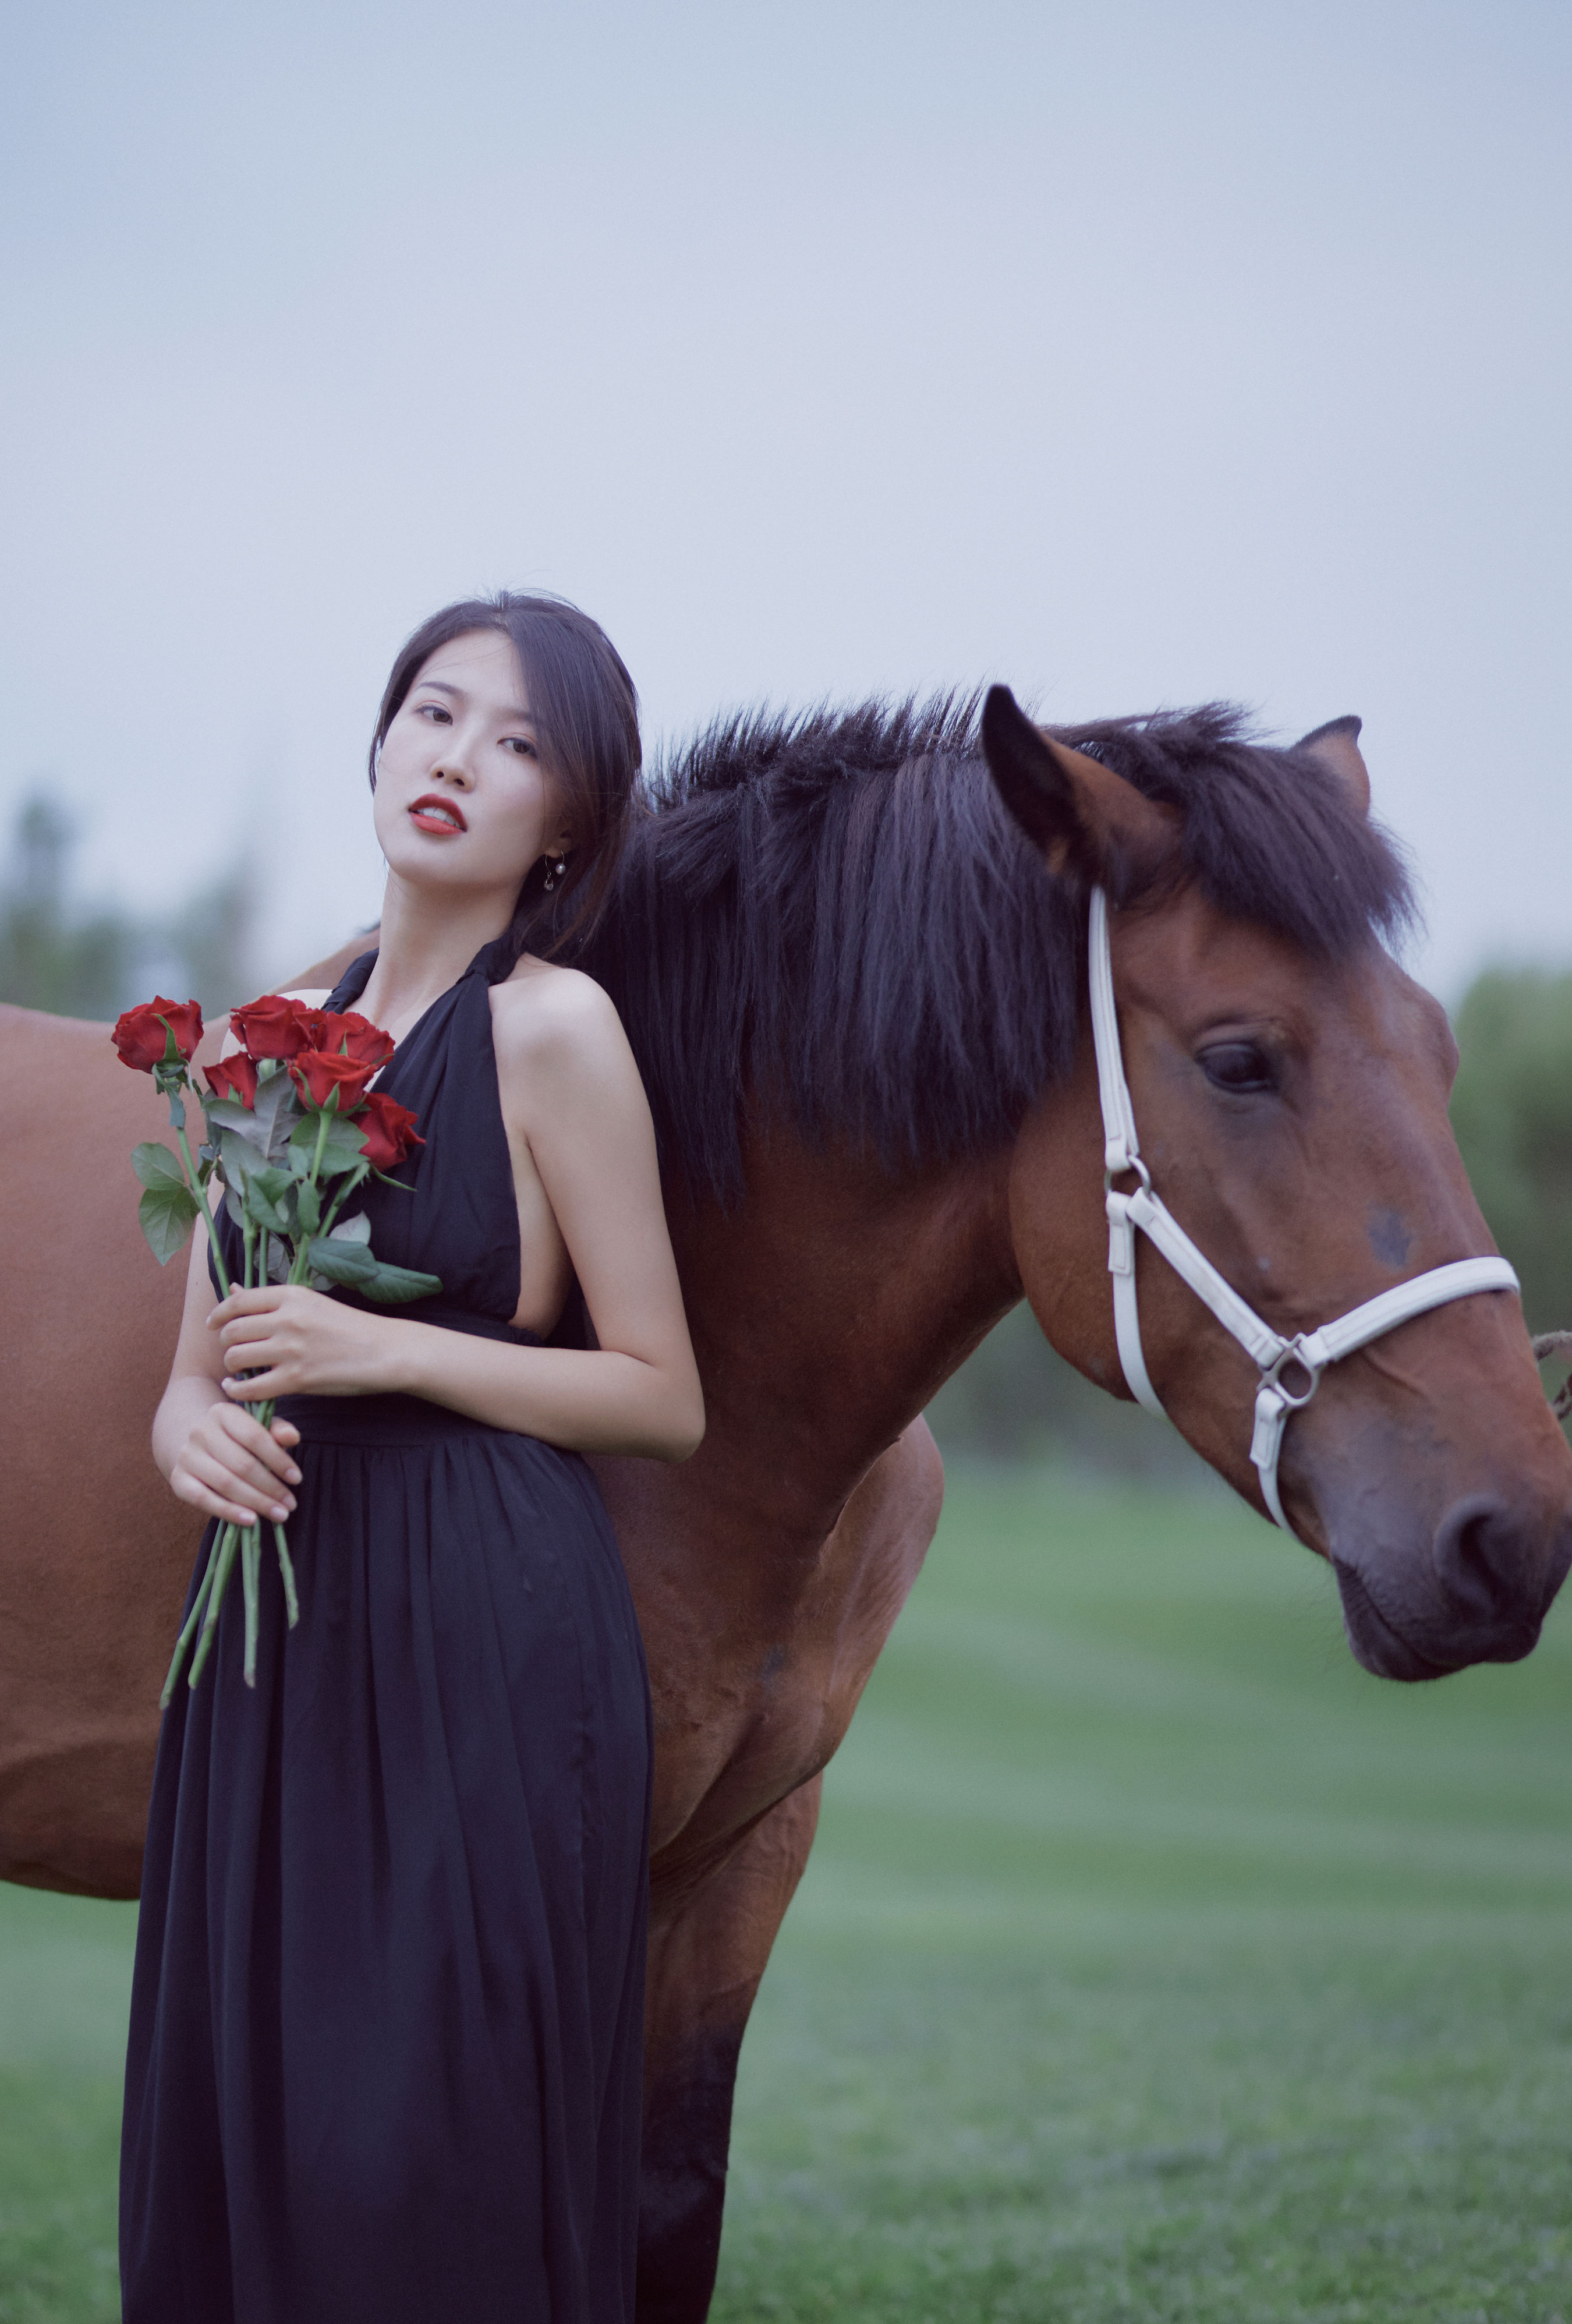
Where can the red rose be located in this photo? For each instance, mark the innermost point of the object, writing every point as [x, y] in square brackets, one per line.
[234, 1077]
[390, 1131]
[273, 1027]
[356, 1037]
[142, 1034]
[316, 1075]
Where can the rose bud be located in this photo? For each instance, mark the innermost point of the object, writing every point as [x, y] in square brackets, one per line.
[142, 1036]
[273, 1027]
[234, 1077]
[390, 1131]
[354, 1036]
[316, 1075]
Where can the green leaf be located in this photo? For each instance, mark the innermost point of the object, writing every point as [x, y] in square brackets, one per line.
[155, 1166]
[276, 1112]
[310, 1205]
[239, 1158]
[168, 1212]
[341, 1148]
[393, 1286]
[266, 1200]
[349, 1263]
[227, 1114]
[357, 1229]
[266, 1125]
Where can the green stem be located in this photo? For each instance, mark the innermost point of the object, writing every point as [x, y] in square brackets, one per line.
[192, 1619]
[287, 1569]
[195, 1183]
[337, 1204]
[215, 1599]
[321, 1142]
[249, 1567]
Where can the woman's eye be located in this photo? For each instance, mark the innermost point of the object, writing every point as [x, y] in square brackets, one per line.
[1237, 1066]
[525, 750]
[433, 710]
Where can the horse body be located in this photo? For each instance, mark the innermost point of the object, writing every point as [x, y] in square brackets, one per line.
[845, 1236]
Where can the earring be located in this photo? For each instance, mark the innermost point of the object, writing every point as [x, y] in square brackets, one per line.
[552, 877]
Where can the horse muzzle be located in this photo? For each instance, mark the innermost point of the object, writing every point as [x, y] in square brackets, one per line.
[1478, 1593]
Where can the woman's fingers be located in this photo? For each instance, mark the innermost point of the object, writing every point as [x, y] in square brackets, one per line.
[265, 1447]
[243, 1479]
[225, 1492]
[246, 1331]
[261, 1386]
[262, 1301]
[198, 1496]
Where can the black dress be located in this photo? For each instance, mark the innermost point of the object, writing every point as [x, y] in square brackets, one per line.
[386, 2021]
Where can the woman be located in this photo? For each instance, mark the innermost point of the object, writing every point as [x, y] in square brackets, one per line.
[385, 2026]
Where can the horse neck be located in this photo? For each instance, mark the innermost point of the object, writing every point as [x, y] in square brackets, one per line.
[828, 1307]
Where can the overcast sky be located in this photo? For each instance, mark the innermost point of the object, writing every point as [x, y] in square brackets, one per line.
[1131, 353]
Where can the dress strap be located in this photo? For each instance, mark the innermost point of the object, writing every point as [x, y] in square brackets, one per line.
[352, 983]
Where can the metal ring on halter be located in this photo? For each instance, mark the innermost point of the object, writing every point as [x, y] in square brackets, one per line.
[1134, 1163]
[1271, 1376]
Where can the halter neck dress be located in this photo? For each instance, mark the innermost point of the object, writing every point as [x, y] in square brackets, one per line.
[388, 2002]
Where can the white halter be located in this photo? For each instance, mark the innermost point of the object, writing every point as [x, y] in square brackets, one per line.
[1311, 1352]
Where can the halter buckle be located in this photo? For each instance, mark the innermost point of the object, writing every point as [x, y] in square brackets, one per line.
[1294, 1399]
[1132, 1162]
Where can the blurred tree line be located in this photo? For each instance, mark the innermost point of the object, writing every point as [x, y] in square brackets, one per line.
[1512, 1109]
[71, 959]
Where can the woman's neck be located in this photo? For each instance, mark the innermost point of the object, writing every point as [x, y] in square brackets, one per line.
[426, 942]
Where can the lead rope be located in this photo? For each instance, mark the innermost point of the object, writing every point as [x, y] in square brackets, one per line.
[1556, 1347]
[1291, 1370]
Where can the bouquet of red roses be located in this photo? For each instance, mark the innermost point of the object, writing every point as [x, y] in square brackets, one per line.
[292, 1129]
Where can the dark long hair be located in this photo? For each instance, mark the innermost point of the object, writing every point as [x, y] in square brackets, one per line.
[586, 711]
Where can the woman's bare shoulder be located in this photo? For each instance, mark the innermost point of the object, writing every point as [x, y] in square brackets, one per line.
[543, 1014]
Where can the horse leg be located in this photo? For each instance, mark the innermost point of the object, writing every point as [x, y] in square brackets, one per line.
[707, 1953]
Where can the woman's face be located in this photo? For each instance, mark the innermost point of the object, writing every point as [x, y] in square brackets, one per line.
[462, 797]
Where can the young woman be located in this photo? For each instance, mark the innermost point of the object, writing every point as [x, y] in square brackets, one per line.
[385, 2029]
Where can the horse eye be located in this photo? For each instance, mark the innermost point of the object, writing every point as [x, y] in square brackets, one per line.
[1237, 1066]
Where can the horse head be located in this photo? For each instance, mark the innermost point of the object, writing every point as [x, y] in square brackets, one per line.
[1291, 1085]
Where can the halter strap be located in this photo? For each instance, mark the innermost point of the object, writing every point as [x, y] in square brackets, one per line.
[1304, 1357]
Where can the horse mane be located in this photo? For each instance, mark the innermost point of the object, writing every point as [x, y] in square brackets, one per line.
[830, 914]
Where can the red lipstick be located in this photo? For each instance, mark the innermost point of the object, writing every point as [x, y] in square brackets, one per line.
[441, 816]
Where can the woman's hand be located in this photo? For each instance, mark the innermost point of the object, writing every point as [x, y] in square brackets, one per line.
[231, 1468]
[287, 1341]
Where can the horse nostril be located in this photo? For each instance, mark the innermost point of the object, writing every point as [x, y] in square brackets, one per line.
[1480, 1563]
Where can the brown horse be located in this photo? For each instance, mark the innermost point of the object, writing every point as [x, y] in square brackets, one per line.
[857, 989]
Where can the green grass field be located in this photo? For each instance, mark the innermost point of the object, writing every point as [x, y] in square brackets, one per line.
[1153, 1964]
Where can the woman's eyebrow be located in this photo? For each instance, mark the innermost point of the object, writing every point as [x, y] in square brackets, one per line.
[516, 717]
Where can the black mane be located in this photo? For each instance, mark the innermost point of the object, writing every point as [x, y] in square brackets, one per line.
[832, 912]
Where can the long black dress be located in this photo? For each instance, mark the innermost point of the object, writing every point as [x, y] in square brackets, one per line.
[384, 2055]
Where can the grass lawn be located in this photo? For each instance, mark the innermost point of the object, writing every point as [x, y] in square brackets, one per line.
[1153, 1963]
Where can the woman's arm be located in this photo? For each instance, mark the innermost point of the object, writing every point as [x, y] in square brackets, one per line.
[571, 1093]
[214, 1455]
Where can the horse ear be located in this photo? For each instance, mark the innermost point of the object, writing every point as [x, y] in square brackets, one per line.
[1336, 746]
[1079, 815]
